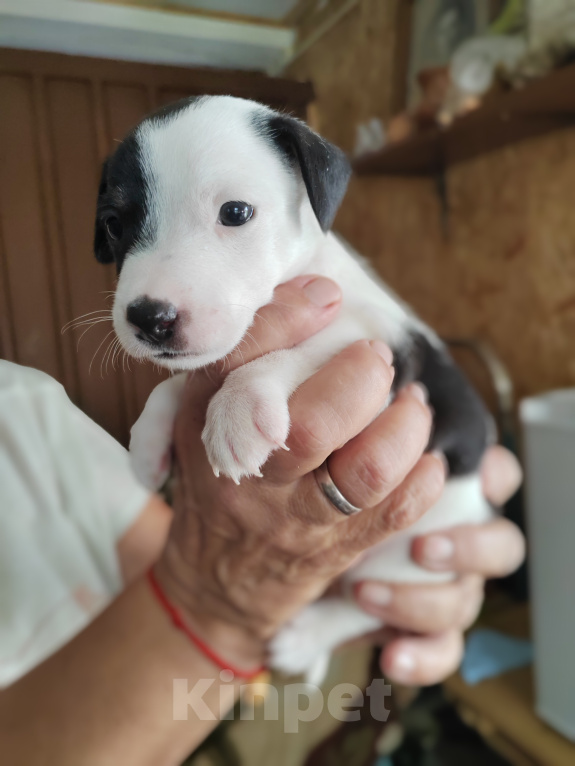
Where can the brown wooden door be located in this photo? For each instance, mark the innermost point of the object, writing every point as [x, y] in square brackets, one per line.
[59, 118]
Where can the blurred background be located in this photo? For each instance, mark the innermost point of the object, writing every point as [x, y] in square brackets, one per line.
[460, 119]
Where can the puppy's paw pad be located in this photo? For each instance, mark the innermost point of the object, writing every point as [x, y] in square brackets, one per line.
[246, 420]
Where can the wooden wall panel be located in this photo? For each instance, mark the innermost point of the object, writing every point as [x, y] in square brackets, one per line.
[72, 123]
[7, 334]
[512, 238]
[61, 116]
[498, 263]
[384, 219]
[26, 255]
[491, 254]
[353, 68]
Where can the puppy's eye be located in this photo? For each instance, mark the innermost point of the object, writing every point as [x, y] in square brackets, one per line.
[114, 227]
[235, 213]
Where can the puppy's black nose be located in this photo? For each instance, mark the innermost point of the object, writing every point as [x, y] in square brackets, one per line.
[156, 320]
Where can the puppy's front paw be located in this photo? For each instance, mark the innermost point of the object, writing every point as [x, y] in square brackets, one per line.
[151, 435]
[150, 467]
[246, 420]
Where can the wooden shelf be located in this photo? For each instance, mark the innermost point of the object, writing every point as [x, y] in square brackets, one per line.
[543, 106]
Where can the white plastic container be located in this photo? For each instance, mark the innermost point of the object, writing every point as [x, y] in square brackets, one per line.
[549, 447]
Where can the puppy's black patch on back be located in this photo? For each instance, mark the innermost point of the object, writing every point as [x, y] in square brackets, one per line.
[324, 168]
[461, 424]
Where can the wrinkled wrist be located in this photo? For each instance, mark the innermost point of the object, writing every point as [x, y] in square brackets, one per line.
[216, 622]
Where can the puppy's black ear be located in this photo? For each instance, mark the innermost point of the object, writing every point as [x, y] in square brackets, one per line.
[324, 167]
[102, 249]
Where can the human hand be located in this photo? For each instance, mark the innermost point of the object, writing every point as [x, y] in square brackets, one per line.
[241, 560]
[428, 621]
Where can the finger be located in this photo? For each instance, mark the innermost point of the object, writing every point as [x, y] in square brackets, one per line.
[298, 310]
[423, 608]
[422, 660]
[333, 406]
[494, 549]
[370, 466]
[415, 495]
[501, 474]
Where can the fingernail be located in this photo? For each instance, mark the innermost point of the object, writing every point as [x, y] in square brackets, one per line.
[322, 292]
[419, 391]
[383, 350]
[403, 666]
[438, 549]
[376, 594]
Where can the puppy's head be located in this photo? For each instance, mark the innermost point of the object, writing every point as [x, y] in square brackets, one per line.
[205, 208]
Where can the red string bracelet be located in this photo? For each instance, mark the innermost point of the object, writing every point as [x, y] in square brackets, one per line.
[178, 621]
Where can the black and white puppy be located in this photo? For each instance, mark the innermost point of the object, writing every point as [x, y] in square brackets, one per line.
[206, 207]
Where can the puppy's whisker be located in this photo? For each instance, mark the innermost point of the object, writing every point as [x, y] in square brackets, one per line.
[209, 374]
[255, 313]
[89, 313]
[113, 353]
[248, 308]
[251, 337]
[105, 356]
[90, 326]
[113, 347]
[263, 319]
[93, 320]
[97, 350]
[91, 323]
[103, 314]
[117, 353]
[238, 350]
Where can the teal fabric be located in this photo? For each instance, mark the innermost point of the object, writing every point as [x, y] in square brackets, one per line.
[489, 653]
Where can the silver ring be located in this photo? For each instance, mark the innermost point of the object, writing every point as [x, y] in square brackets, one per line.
[332, 492]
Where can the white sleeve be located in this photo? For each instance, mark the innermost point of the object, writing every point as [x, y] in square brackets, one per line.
[67, 493]
[121, 497]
